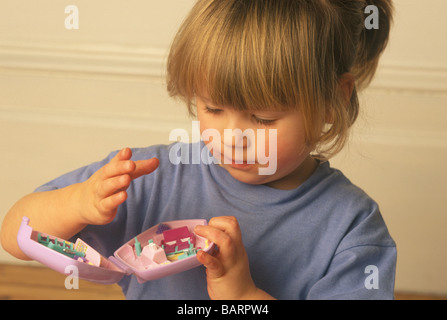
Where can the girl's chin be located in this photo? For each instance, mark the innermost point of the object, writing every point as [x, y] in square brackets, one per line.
[247, 173]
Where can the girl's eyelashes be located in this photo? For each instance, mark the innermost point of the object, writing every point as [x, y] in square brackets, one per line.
[264, 122]
[213, 110]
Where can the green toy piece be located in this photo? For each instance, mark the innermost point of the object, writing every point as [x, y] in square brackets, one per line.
[137, 247]
[64, 247]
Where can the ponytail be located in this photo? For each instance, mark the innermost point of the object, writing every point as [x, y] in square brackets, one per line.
[372, 43]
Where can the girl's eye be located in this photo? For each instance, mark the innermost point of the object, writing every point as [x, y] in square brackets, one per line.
[263, 122]
[217, 111]
[213, 110]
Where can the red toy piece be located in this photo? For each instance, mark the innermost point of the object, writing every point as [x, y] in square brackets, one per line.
[177, 239]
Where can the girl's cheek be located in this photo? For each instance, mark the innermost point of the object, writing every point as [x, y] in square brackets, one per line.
[291, 152]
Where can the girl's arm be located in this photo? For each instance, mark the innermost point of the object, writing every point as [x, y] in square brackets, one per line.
[54, 212]
[66, 211]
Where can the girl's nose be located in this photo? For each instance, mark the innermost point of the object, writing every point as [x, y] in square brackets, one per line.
[237, 139]
[237, 134]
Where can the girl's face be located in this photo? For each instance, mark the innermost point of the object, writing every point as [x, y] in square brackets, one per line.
[289, 163]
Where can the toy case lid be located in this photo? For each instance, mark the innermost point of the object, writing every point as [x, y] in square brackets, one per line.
[162, 250]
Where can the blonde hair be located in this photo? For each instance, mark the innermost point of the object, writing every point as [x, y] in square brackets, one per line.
[280, 55]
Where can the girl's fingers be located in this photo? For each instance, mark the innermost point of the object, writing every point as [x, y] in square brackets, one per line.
[117, 168]
[124, 154]
[110, 204]
[214, 268]
[143, 167]
[228, 246]
[121, 164]
[111, 181]
[229, 225]
[113, 185]
[124, 176]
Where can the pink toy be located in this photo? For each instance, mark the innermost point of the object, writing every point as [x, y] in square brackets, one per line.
[177, 239]
[149, 256]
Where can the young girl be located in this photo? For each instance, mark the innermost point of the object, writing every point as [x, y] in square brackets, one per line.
[303, 231]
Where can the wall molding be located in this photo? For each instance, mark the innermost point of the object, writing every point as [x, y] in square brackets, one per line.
[133, 62]
[149, 62]
[136, 123]
[402, 138]
[411, 76]
[103, 59]
[50, 61]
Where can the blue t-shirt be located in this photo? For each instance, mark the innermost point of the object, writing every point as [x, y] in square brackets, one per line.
[325, 239]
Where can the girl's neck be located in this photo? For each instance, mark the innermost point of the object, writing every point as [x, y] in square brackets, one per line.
[297, 177]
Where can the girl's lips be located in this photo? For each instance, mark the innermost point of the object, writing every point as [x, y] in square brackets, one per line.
[232, 162]
[241, 165]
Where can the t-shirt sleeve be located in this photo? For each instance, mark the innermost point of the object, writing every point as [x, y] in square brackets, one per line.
[360, 273]
[363, 266]
[76, 176]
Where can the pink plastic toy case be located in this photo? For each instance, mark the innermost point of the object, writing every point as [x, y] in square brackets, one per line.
[163, 250]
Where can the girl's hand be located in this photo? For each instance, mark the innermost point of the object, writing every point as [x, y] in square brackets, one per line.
[227, 271]
[106, 189]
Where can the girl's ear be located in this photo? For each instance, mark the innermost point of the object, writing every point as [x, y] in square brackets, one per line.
[346, 85]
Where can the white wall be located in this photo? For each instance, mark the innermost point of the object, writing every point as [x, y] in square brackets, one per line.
[399, 147]
[69, 97]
